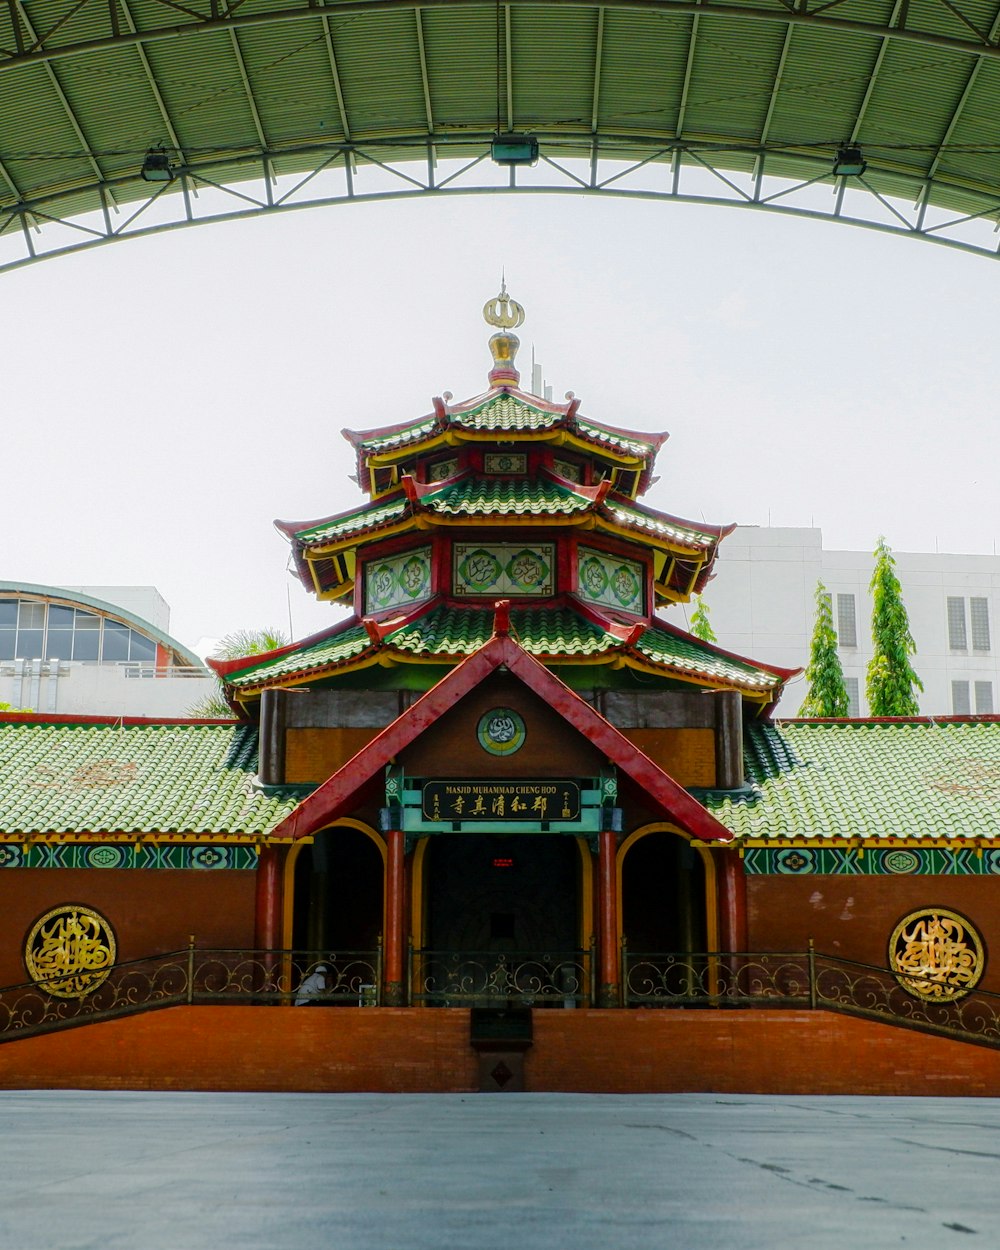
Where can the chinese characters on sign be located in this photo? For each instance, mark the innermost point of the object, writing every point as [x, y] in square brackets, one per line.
[501, 800]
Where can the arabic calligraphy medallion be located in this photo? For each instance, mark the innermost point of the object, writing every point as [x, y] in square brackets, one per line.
[936, 954]
[70, 951]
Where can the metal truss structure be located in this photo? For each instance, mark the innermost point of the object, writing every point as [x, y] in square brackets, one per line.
[31, 233]
[261, 106]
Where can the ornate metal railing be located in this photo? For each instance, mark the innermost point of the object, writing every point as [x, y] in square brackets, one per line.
[809, 980]
[193, 976]
[489, 978]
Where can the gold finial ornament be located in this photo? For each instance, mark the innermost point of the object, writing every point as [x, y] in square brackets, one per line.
[502, 311]
[507, 314]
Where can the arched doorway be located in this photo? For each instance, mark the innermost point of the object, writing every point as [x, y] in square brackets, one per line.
[502, 920]
[339, 883]
[664, 920]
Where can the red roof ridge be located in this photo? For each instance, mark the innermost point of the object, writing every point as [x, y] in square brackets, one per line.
[336, 795]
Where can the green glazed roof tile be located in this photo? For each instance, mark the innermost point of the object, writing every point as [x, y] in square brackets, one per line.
[422, 428]
[691, 656]
[363, 521]
[540, 631]
[549, 633]
[507, 412]
[133, 779]
[645, 519]
[323, 653]
[476, 496]
[867, 780]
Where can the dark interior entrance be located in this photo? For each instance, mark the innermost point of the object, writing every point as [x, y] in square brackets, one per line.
[501, 894]
[338, 893]
[663, 896]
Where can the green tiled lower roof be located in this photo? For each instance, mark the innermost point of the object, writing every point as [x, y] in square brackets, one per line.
[540, 631]
[867, 780]
[132, 779]
[550, 633]
[325, 652]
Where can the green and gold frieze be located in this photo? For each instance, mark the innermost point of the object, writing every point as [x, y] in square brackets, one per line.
[892, 861]
[126, 855]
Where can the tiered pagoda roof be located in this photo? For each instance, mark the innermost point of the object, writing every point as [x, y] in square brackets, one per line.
[561, 635]
[506, 496]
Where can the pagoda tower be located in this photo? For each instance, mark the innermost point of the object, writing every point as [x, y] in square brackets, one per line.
[504, 681]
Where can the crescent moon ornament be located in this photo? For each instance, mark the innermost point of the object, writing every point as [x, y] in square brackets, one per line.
[503, 312]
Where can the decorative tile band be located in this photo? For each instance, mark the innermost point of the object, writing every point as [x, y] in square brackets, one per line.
[611, 581]
[398, 580]
[126, 855]
[894, 861]
[500, 568]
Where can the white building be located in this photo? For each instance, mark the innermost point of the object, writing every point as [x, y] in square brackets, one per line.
[94, 651]
[762, 603]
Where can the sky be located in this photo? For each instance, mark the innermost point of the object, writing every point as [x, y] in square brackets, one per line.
[166, 399]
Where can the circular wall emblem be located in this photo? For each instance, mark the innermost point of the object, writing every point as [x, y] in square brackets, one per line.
[936, 954]
[901, 861]
[501, 731]
[70, 951]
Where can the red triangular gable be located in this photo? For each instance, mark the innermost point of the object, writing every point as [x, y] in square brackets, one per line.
[339, 793]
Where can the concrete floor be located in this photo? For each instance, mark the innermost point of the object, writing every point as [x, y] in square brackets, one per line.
[144, 1171]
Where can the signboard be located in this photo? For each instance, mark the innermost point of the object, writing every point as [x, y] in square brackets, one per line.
[493, 801]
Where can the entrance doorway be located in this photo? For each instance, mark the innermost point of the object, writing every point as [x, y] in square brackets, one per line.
[502, 921]
[338, 893]
[663, 895]
[664, 923]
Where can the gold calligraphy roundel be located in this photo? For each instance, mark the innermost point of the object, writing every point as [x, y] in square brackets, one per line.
[937, 954]
[70, 951]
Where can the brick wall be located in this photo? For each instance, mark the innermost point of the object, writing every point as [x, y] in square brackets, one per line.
[414, 1050]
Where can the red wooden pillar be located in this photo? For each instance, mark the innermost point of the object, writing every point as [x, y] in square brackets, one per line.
[394, 970]
[732, 892]
[608, 989]
[267, 910]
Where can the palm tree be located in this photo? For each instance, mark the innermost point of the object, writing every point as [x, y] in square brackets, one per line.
[234, 646]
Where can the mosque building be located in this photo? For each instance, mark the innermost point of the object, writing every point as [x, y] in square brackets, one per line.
[506, 779]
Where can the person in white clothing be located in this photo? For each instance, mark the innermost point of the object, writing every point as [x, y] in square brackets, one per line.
[313, 988]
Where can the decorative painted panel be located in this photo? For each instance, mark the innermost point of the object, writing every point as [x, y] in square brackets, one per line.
[441, 470]
[504, 568]
[398, 580]
[569, 470]
[505, 462]
[126, 855]
[895, 861]
[610, 580]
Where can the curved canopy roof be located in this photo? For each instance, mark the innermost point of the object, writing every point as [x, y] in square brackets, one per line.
[624, 96]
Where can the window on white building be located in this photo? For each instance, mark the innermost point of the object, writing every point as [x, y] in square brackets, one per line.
[979, 617]
[960, 704]
[958, 639]
[984, 698]
[847, 622]
[853, 696]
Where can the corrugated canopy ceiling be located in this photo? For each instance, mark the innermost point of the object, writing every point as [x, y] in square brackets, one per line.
[231, 87]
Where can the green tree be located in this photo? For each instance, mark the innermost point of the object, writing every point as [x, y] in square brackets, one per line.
[891, 682]
[700, 625]
[827, 694]
[235, 646]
